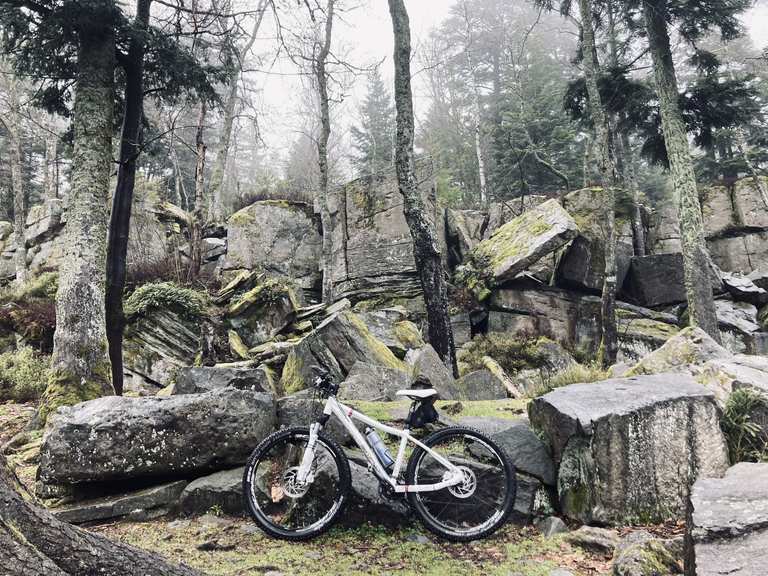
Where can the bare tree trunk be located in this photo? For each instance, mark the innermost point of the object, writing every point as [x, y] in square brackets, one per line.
[609, 345]
[215, 186]
[122, 201]
[475, 94]
[624, 153]
[80, 365]
[701, 306]
[51, 171]
[425, 247]
[17, 183]
[198, 219]
[322, 154]
[34, 543]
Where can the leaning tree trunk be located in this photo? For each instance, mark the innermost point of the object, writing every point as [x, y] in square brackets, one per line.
[34, 543]
[80, 366]
[698, 286]
[425, 248]
[322, 155]
[609, 178]
[17, 183]
[122, 201]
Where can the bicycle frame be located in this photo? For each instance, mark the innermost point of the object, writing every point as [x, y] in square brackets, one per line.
[346, 416]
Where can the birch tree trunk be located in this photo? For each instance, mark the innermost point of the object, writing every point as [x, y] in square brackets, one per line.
[122, 201]
[34, 543]
[321, 77]
[425, 247]
[701, 306]
[80, 365]
[17, 183]
[215, 186]
[609, 178]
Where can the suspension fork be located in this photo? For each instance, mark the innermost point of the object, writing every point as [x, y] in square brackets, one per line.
[305, 468]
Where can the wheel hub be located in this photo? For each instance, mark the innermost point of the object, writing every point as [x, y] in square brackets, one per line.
[291, 485]
[467, 486]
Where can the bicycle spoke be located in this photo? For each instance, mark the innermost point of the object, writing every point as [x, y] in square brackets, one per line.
[471, 505]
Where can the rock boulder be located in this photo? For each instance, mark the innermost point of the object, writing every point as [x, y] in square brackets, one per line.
[197, 379]
[276, 235]
[606, 438]
[335, 345]
[116, 438]
[516, 246]
[727, 524]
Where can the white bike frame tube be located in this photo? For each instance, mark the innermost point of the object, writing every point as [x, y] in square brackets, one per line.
[346, 415]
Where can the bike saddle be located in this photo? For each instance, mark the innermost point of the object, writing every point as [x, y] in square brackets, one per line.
[417, 393]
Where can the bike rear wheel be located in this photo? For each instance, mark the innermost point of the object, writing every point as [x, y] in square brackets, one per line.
[481, 503]
[281, 506]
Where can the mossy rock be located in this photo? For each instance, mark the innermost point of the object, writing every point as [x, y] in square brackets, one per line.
[515, 246]
[146, 299]
[335, 345]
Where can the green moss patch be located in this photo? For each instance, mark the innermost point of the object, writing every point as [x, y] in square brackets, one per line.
[512, 354]
[66, 389]
[23, 375]
[164, 295]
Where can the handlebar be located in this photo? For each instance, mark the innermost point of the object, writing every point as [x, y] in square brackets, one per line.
[324, 382]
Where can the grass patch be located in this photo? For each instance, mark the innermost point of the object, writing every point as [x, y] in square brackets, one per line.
[745, 437]
[511, 409]
[575, 374]
[361, 550]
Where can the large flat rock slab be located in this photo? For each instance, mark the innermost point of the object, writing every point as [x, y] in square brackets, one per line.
[727, 528]
[628, 449]
[117, 437]
[149, 501]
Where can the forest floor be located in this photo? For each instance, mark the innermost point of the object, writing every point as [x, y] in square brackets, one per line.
[235, 546]
[222, 545]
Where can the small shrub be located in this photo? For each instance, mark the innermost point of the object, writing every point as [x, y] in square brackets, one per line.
[161, 295]
[23, 375]
[512, 354]
[30, 311]
[746, 439]
[147, 271]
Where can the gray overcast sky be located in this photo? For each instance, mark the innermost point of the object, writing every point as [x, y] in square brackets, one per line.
[367, 34]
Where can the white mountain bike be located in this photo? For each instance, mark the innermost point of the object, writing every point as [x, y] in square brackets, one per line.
[459, 482]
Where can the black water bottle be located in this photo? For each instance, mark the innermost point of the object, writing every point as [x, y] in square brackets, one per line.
[379, 448]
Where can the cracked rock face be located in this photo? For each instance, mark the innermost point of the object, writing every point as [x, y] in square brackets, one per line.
[279, 236]
[727, 526]
[118, 437]
[628, 449]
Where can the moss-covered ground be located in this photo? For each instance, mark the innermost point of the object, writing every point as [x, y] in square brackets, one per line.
[239, 548]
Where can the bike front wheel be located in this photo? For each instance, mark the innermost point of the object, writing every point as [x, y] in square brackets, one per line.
[477, 506]
[280, 505]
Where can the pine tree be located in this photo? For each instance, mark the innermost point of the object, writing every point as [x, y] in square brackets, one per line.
[374, 139]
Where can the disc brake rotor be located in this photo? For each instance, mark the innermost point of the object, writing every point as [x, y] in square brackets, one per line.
[290, 483]
[467, 486]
